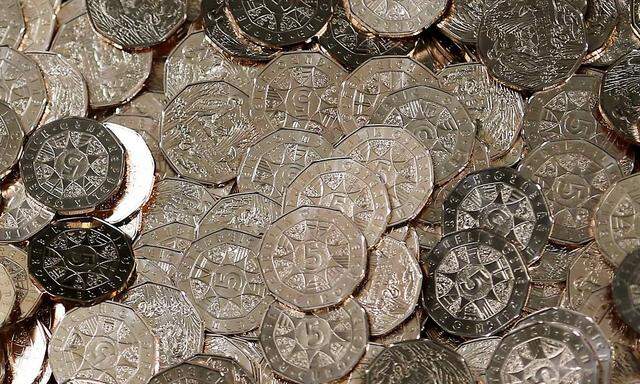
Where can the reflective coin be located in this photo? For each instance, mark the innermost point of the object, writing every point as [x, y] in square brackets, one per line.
[548, 47]
[477, 283]
[205, 131]
[600, 20]
[545, 295]
[477, 353]
[299, 346]
[299, 90]
[11, 138]
[40, 23]
[150, 271]
[588, 273]
[81, 259]
[626, 282]
[235, 349]
[149, 104]
[438, 120]
[419, 361]
[503, 202]
[395, 18]
[345, 185]
[573, 175]
[410, 329]
[277, 24]
[12, 23]
[27, 293]
[359, 373]
[72, 165]
[401, 160]
[113, 76]
[271, 164]
[8, 295]
[103, 342]
[621, 41]
[172, 318]
[230, 371]
[554, 264]
[189, 373]
[462, 20]
[136, 25]
[167, 259]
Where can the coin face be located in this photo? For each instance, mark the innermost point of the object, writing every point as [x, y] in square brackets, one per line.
[531, 45]
[298, 345]
[600, 21]
[188, 373]
[503, 202]
[81, 259]
[477, 354]
[625, 287]
[278, 24]
[271, 164]
[313, 257]
[12, 22]
[230, 371]
[588, 273]
[403, 163]
[345, 185]
[7, 295]
[477, 283]
[150, 271]
[438, 120]
[418, 361]
[27, 294]
[554, 264]
[396, 18]
[103, 342]
[40, 23]
[11, 138]
[136, 25]
[573, 175]
[622, 40]
[462, 20]
[619, 96]
[234, 348]
[72, 164]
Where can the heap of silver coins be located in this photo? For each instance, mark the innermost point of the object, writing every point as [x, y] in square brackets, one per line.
[319, 191]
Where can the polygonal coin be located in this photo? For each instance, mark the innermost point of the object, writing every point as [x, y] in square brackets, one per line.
[7, 295]
[28, 295]
[625, 287]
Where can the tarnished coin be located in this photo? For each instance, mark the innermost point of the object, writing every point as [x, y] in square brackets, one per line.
[206, 129]
[438, 120]
[272, 163]
[113, 75]
[401, 160]
[573, 175]
[462, 20]
[27, 294]
[396, 18]
[28, 96]
[72, 164]
[503, 202]
[247, 212]
[531, 45]
[364, 89]
[108, 341]
[476, 283]
[230, 371]
[588, 273]
[189, 373]
[419, 361]
[139, 24]
[625, 287]
[66, 88]
[12, 22]
[497, 110]
[278, 24]
[300, 346]
[477, 353]
[345, 185]
[40, 23]
[172, 319]
[11, 138]
[8, 295]
[84, 260]
[221, 275]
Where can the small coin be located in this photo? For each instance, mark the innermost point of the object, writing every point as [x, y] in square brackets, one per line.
[418, 361]
[40, 23]
[188, 373]
[477, 283]
[395, 18]
[11, 138]
[625, 287]
[12, 22]
[104, 341]
[403, 163]
[588, 273]
[81, 259]
[150, 271]
[314, 360]
[477, 353]
[27, 294]
[8, 295]
[231, 372]
[462, 20]
[546, 50]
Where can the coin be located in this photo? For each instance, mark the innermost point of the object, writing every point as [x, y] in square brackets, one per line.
[503, 202]
[8, 295]
[588, 273]
[12, 22]
[11, 138]
[149, 104]
[477, 353]
[231, 371]
[232, 348]
[313, 257]
[72, 164]
[84, 260]
[513, 157]
[150, 271]
[113, 76]
[554, 264]
[172, 319]
[188, 373]
[625, 286]
[544, 295]
[403, 163]
[462, 20]
[477, 283]
[27, 295]
[103, 342]
[137, 25]
[419, 361]
[497, 110]
[26, 348]
[167, 259]
[272, 163]
[531, 46]
[573, 175]
[293, 354]
[438, 120]
[359, 373]
[621, 41]
[345, 185]
[276, 24]
[600, 20]
[409, 329]
[40, 23]
[395, 18]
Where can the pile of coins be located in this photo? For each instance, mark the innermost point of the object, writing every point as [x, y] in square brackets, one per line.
[346, 192]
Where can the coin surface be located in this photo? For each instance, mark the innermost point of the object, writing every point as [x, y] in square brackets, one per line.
[27, 294]
[396, 18]
[438, 120]
[625, 287]
[477, 354]
[84, 260]
[136, 25]
[548, 47]
[600, 21]
[418, 361]
[462, 20]
[554, 264]
[503, 202]
[40, 23]
[403, 163]
[103, 342]
[621, 41]
[476, 283]
[230, 370]
[588, 273]
[72, 164]
[345, 185]
[293, 354]
[235, 349]
[573, 175]
[7, 295]
[150, 271]
[13, 25]
[11, 138]
[189, 373]
[359, 373]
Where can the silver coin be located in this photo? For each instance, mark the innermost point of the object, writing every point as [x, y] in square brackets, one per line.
[22, 216]
[359, 373]
[600, 21]
[231, 372]
[554, 264]
[150, 271]
[477, 353]
[40, 23]
[188, 373]
[11, 138]
[27, 295]
[166, 259]
[545, 295]
[235, 349]
[462, 20]
[410, 329]
[513, 157]
[588, 273]
[624, 287]
[149, 104]
[395, 18]
[8, 296]
[12, 22]
[621, 41]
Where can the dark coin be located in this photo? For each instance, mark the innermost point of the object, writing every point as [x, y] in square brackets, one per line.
[626, 288]
[81, 259]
